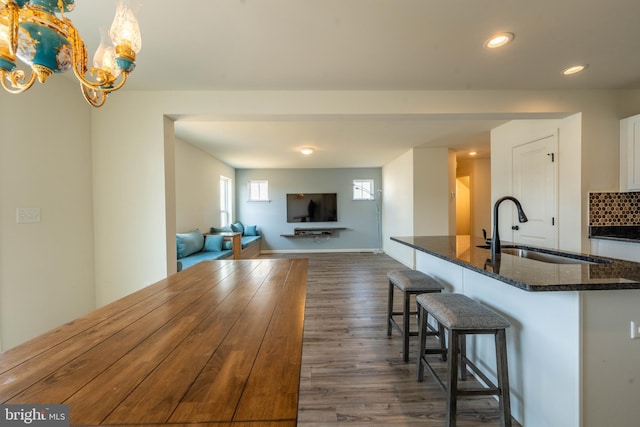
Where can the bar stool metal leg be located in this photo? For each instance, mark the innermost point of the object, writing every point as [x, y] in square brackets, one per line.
[405, 325]
[390, 309]
[425, 330]
[502, 372]
[463, 357]
[452, 383]
[422, 341]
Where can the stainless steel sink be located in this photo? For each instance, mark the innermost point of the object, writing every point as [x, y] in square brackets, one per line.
[548, 257]
[544, 257]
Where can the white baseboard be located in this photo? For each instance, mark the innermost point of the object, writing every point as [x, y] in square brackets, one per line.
[318, 251]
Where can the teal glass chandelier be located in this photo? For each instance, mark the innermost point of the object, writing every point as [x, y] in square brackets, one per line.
[38, 34]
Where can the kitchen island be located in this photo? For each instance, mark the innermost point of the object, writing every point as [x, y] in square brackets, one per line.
[572, 361]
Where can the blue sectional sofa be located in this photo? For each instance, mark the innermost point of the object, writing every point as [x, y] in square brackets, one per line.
[193, 247]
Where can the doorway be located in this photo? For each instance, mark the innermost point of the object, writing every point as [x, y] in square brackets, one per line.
[473, 196]
[463, 205]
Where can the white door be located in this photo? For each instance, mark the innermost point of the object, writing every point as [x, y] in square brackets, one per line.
[535, 166]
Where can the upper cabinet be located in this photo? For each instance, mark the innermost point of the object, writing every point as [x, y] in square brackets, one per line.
[630, 154]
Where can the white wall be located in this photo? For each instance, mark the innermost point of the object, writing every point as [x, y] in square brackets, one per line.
[600, 140]
[573, 231]
[170, 194]
[46, 268]
[628, 103]
[397, 207]
[359, 217]
[570, 193]
[198, 187]
[130, 199]
[434, 183]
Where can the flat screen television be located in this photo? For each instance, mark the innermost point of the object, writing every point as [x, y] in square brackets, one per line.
[312, 207]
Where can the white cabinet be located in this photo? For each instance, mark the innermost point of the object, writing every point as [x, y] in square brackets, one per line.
[630, 154]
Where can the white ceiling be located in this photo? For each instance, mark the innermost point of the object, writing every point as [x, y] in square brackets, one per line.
[366, 45]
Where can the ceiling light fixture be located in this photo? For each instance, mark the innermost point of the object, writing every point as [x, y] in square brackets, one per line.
[473, 153]
[499, 40]
[307, 151]
[574, 70]
[31, 30]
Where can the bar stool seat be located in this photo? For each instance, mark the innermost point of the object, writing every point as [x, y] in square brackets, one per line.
[459, 315]
[409, 282]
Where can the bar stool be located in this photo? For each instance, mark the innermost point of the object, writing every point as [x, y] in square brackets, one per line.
[461, 316]
[409, 282]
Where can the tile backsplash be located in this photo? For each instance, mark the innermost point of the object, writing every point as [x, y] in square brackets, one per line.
[613, 209]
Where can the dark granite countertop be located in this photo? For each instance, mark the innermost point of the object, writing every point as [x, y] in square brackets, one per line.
[624, 233]
[528, 274]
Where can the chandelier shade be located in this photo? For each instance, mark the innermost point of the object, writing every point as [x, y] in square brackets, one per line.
[38, 33]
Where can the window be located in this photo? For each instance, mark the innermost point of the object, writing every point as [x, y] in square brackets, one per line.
[363, 189]
[226, 201]
[258, 191]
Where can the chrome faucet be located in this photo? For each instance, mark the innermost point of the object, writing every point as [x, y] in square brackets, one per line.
[495, 239]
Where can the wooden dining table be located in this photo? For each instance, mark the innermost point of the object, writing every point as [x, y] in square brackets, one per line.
[219, 343]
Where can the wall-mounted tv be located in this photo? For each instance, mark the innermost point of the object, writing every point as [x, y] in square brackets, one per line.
[312, 207]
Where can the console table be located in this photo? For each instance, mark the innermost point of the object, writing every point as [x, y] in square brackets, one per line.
[219, 343]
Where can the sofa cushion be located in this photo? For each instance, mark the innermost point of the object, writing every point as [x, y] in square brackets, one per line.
[189, 243]
[204, 256]
[248, 240]
[237, 227]
[213, 243]
[227, 245]
[251, 230]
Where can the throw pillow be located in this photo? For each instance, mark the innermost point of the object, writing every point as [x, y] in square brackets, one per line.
[251, 230]
[237, 227]
[213, 243]
[225, 229]
[189, 243]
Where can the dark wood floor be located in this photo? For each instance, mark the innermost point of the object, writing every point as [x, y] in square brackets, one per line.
[352, 373]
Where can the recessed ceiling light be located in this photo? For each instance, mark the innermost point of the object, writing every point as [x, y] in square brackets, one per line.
[307, 151]
[498, 40]
[472, 153]
[574, 70]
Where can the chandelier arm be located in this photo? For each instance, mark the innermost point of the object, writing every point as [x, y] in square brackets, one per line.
[122, 79]
[94, 96]
[104, 81]
[16, 81]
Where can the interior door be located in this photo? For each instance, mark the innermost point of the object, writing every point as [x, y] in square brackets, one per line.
[535, 171]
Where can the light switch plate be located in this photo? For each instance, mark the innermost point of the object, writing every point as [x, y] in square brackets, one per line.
[27, 215]
[635, 330]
